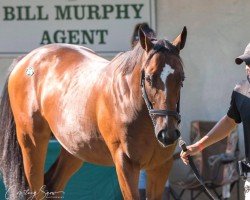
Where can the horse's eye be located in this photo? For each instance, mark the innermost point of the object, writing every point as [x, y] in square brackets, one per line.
[149, 79]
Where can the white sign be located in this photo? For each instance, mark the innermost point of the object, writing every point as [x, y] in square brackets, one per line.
[104, 26]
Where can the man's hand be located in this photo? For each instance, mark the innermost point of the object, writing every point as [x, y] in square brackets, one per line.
[221, 130]
[191, 150]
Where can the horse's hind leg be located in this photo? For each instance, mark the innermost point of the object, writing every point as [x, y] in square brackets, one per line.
[61, 171]
[33, 135]
[156, 180]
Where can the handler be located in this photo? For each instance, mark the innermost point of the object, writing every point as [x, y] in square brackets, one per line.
[239, 111]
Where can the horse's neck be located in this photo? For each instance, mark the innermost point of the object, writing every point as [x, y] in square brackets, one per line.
[133, 82]
[126, 94]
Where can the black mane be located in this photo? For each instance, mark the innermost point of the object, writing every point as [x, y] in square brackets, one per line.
[125, 62]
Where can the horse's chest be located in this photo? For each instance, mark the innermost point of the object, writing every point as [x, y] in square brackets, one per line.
[149, 154]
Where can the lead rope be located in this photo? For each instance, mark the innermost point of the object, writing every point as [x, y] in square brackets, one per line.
[182, 144]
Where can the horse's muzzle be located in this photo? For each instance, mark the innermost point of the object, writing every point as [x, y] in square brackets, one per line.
[166, 137]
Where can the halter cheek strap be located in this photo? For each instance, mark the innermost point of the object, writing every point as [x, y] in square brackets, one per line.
[153, 112]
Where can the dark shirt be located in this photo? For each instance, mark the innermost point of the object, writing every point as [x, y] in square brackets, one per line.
[239, 110]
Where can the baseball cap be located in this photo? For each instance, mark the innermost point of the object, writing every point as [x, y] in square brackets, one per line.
[244, 57]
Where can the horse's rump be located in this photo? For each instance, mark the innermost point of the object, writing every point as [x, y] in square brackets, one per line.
[58, 75]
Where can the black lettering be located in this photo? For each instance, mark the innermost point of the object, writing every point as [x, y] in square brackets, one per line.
[103, 33]
[93, 10]
[77, 13]
[19, 13]
[27, 11]
[106, 10]
[8, 13]
[45, 38]
[137, 9]
[57, 36]
[73, 39]
[63, 13]
[89, 35]
[122, 9]
[40, 14]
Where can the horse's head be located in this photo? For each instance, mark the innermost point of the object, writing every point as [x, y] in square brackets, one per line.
[162, 77]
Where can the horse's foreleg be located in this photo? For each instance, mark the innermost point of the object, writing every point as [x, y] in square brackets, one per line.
[34, 148]
[156, 180]
[128, 175]
[60, 172]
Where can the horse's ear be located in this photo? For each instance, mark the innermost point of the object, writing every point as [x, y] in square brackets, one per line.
[145, 42]
[180, 41]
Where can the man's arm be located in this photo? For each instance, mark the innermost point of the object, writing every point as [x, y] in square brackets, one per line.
[221, 130]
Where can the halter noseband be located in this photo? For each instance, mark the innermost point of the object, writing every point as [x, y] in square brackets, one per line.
[153, 112]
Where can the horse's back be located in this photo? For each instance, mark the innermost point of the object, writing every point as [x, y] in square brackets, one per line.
[61, 53]
[54, 69]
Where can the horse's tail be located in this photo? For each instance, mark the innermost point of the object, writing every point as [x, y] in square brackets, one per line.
[11, 161]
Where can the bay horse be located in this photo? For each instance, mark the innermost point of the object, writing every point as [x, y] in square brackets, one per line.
[122, 112]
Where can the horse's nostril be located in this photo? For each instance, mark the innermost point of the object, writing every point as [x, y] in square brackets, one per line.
[161, 136]
[178, 133]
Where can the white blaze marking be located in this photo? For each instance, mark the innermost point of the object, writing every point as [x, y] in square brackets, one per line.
[165, 73]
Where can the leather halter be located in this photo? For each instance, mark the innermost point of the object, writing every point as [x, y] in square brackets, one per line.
[153, 112]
